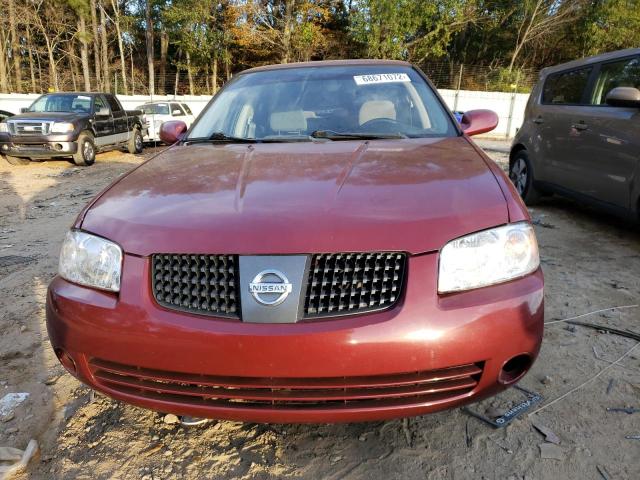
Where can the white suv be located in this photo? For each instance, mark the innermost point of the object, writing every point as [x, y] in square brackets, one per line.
[156, 113]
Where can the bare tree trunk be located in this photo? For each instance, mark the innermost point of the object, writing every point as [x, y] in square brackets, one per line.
[73, 68]
[149, 38]
[34, 88]
[73, 64]
[227, 64]
[53, 72]
[133, 78]
[214, 73]
[84, 53]
[116, 10]
[96, 52]
[4, 83]
[15, 46]
[287, 30]
[175, 88]
[106, 77]
[164, 47]
[39, 71]
[189, 74]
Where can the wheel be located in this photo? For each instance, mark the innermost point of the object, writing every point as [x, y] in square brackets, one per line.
[17, 160]
[86, 154]
[521, 174]
[135, 144]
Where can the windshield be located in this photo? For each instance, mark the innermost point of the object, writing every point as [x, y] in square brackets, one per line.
[155, 108]
[295, 103]
[62, 103]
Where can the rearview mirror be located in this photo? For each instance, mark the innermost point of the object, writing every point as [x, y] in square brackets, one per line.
[24, 109]
[475, 122]
[172, 131]
[624, 97]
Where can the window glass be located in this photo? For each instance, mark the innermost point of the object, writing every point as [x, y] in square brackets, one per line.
[62, 103]
[625, 73]
[187, 109]
[113, 103]
[566, 88]
[99, 103]
[176, 110]
[155, 108]
[365, 99]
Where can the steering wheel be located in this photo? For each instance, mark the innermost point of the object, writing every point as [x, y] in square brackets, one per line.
[382, 125]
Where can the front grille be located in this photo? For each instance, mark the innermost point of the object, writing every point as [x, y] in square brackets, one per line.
[205, 284]
[349, 283]
[410, 388]
[24, 127]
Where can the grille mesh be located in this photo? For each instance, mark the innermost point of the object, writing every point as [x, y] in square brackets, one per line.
[205, 284]
[273, 393]
[348, 283]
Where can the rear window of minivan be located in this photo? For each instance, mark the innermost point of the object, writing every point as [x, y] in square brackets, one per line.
[566, 88]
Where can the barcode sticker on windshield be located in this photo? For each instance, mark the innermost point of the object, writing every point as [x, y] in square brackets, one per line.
[381, 78]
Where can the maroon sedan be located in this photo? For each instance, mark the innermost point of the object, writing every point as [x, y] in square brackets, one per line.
[324, 244]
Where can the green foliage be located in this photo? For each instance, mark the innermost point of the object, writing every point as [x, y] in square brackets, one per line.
[507, 40]
[613, 25]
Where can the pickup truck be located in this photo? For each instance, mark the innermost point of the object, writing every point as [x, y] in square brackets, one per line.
[76, 125]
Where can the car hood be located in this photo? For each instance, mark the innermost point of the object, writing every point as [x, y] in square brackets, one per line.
[50, 116]
[278, 198]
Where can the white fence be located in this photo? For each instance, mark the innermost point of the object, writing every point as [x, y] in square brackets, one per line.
[509, 106]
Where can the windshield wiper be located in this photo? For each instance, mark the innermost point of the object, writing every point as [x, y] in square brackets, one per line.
[331, 135]
[221, 137]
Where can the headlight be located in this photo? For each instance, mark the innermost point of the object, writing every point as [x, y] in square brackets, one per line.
[488, 257]
[62, 127]
[4, 128]
[91, 261]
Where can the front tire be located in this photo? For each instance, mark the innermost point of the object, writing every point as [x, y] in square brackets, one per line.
[86, 154]
[17, 160]
[136, 144]
[521, 174]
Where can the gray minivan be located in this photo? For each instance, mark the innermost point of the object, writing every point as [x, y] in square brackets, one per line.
[581, 134]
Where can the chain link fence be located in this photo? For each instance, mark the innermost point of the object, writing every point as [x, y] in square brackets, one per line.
[457, 76]
[445, 75]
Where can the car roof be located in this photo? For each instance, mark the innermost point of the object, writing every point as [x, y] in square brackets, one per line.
[603, 57]
[328, 63]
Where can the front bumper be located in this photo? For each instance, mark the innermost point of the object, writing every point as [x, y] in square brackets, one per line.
[38, 147]
[358, 368]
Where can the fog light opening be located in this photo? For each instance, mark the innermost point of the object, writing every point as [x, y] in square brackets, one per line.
[66, 360]
[514, 368]
[58, 146]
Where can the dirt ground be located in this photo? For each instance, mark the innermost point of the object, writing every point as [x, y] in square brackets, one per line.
[590, 261]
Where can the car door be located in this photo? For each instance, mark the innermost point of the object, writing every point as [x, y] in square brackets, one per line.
[563, 101]
[102, 121]
[610, 137]
[120, 125]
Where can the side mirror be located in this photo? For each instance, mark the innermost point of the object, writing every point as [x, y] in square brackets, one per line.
[103, 112]
[176, 112]
[475, 122]
[172, 131]
[24, 109]
[624, 97]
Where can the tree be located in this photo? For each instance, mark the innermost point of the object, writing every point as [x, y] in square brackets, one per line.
[149, 43]
[15, 46]
[538, 18]
[81, 8]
